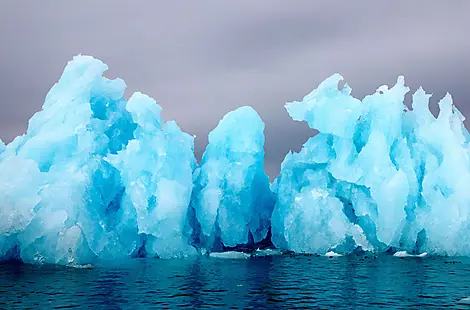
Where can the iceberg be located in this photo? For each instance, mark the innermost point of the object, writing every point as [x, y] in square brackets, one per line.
[378, 176]
[72, 188]
[99, 177]
[232, 201]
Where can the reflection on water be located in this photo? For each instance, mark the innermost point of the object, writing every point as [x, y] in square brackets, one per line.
[267, 282]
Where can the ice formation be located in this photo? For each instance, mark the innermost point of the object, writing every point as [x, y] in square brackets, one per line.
[156, 170]
[378, 175]
[85, 182]
[99, 177]
[232, 200]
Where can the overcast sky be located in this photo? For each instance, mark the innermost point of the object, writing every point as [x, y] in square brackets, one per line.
[205, 58]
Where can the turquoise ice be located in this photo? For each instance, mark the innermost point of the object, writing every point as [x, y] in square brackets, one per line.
[232, 200]
[378, 175]
[99, 177]
[71, 186]
[156, 170]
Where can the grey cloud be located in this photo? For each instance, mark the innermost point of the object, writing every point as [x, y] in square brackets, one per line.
[203, 59]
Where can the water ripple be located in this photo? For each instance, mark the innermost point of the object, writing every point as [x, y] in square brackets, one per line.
[264, 282]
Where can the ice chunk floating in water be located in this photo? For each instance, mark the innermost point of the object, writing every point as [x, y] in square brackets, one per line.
[100, 177]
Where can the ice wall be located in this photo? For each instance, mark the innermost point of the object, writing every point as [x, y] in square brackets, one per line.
[2, 146]
[377, 176]
[232, 200]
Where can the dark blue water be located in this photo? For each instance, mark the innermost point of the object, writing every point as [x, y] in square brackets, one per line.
[268, 282]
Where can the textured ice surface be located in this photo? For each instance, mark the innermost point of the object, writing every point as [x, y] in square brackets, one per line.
[74, 189]
[232, 200]
[377, 176]
[100, 177]
[156, 170]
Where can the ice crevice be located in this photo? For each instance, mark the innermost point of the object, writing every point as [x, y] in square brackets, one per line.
[100, 177]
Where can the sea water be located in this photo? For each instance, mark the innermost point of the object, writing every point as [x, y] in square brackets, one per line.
[274, 281]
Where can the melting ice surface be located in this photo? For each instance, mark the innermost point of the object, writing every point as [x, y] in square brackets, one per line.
[100, 177]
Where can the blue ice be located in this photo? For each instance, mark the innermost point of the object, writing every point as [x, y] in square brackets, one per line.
[377, 176]
[86, 180]
[99, 177]
[232, 199]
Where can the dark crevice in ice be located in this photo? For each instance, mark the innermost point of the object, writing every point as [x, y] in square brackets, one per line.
[361, 133]
[12, 256]
[420, 242]
[215, 239]
[251, 246]
[115, 204]
[140, 251]
[392, 154]
[348, 210]
[195, 228]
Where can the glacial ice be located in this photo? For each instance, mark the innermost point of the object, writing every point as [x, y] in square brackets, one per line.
[99, 177]
[156, 170]
[377, 176]
[85, 181]
[232, 199]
